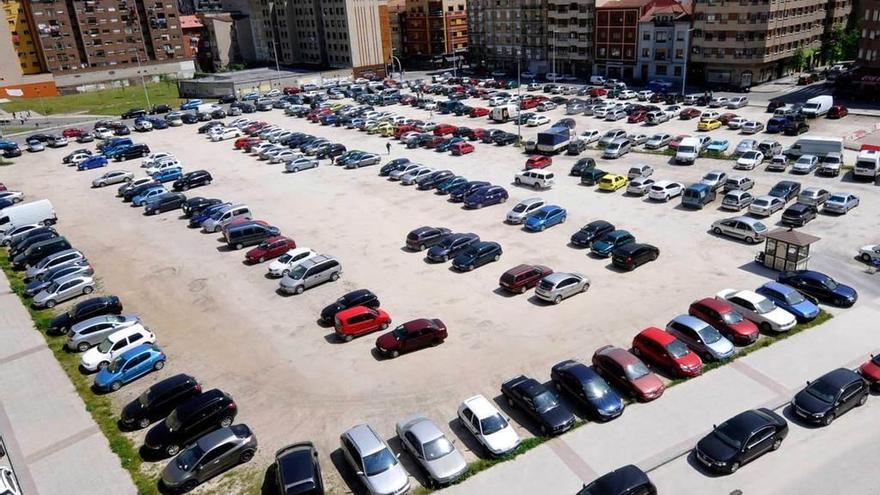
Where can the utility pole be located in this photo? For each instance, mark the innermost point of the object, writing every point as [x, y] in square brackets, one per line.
[684, 70]
[143, 82]
[518, 95]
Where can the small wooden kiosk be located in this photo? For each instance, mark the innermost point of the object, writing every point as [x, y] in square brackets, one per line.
[786, 250]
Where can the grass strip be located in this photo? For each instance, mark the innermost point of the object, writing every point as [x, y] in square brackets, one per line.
[113, 101]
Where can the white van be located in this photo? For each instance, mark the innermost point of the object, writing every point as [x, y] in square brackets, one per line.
[539, 179]
[817, 106]
[687, 150]
[867, 165]
[40, 211]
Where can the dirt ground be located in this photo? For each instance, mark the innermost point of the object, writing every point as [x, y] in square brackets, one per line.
[222, 321]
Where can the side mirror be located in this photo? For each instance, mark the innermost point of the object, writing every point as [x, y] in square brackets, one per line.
[397, 455]
[714, 426]
[808, 382]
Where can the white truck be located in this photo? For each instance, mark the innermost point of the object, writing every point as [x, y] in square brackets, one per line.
[817, 106]
[504, 113]
[867, 165]
[40, 211]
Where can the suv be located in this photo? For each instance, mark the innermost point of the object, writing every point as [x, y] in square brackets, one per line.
[159, 400]
[133, 151]
[249, 233]
[425, 237]
[164, 202]
[197, 416]
[192, 179]
[227, 216]
[539, 179]
[310, 273]
[523, 277]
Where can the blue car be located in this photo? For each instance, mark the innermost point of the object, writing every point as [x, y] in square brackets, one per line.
[158, 123]
[485, 196]
[718, 145]
[461, 191]
[196, 220]
[141, 199]
[616, 238]
[544, 217]
[131, 365]
[820, 287]
[168, 174]
[585, 387]
[191, 104]
[789, 299]
[775, 125]
[251, 96]
[6, 144]
[329, 119]
[92, 162]
[450, 184]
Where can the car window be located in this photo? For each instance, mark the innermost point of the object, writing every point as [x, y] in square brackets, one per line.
[217, 452]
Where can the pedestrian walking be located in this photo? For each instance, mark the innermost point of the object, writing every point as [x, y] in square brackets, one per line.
[332, 159]
[388, 147]
[28, 114]
[13, 116]
[22, 121]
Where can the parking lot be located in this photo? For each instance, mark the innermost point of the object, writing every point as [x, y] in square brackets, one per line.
[222, 321]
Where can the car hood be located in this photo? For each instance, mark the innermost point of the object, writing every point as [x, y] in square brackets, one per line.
[35, 286]
[780, 316]
[648, 384]
[810, 403]
[438, 251]
[389, 481]
[104, 377]
[531, 220]
[447, 466]
[806, 308]
[714, 448]
[60, 321]
[172, 475]
[387, 342]
[502, 440]
[607, 405]
[92, 357]
[846, 292]
[557, 417]
[157, 436]
[42, 296]
[722, 348]
[132, 410]
[582, 236]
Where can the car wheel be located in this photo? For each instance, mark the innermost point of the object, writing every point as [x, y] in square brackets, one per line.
[246, 456]
[88, 289]
[503, 200]
[239, 246]
[557, 300]
[295, 169]
[50, 303]
[334, 276]
[299, 289]
[765, 327]
[563, 220]
[479, 205]
[225, 422]
[436, 342]
[865, 257]
[159, 365]
[510, 402]
[863, 399]
[497, 257]
[523, 289]
[115, 386]
[637, 352]
[716, 231]
[734, 467]
[828, 419]
[285, 273]
[395, 353]
[517, 181]
[541, 228]
[83, 347]
[750, 240]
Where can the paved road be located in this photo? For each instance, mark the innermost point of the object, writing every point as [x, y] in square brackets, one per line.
[52, 443]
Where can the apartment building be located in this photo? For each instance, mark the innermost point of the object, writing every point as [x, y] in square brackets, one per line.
[504, 33]
[22, 36]
[868, 18]
[746, 42]
[617, 29]
[434, 29]
[396, 10]
[663, 41]
[570, 28]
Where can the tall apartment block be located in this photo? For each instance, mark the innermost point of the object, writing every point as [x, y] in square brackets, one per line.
[746, 42]
[435, 29]
[868, 19]
[503, 33]
[570, 31]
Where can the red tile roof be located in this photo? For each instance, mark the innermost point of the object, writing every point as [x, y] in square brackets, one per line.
[190, 22]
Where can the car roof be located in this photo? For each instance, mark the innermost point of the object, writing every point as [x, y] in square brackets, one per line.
[171, 383]
[715, 304]
[297, 467]
[531, 201]
[480, 406]
[365, 439]
[216, 437]
[617, 354]
[839, 378]
[748, 295]
[557, 277]
[423, 428]
[195, 404]
[135, 351]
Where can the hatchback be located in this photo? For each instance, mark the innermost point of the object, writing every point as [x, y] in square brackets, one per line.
[491, 429]
[627, 480]
[200, 414]
[786, 190]
[703, 338]
[272, 247]
[523, 209]
[666, 351]
[799, 214]
[63, 289]
[591, 232]
[790, 300]
[746, 228]
[129, 366]
[208, 457]
[627, 372]
[282, 265]
[632, 255]
[412, 336]
[559, 285]
[604, 246]
[84, 310]
[587, 389]
[157, 401]
[51, 275]
[359, 320]
[539, 403]
[360, 297]
[814, 196]
[545, 217]
[665, 190]
[538, 161]
[424, 237]
[298, 470]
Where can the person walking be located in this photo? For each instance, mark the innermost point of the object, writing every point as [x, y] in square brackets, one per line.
[332, 159]
[388, 147]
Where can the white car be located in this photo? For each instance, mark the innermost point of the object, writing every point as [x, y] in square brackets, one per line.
[736, 123]
[545, 106]
[284, 155]
[590, 136]
[758, 309]
[664, 190]
[152, 158]
[710, 114]
[644, 95]
[749, 160]
[264, 146]
[497, 101]
[601, 112]
[163, 166]
[282, 265]
[488, 426]
[13, 196]
[77, 158]
[805, 164]
[103, 133]
[228, 133]
[869, 253]
[523, 209]
[764, 206]
[115, 345]
[538, 120]
[626, 94]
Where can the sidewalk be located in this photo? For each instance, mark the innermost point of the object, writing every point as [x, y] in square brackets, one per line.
[51, 441]
[650, 435]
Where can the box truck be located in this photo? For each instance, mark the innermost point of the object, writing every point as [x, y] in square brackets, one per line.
[554, 139]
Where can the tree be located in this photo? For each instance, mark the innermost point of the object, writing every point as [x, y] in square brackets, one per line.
[842, 45]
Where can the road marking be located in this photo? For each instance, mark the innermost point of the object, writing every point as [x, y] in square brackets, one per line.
[572, 460]
[759, 377]
[20, 354]
[62, 444]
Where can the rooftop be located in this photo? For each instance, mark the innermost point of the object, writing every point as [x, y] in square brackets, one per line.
[791, 236]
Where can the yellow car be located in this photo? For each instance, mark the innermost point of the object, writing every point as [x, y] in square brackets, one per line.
[387, 131]
[708, 124]
[335, 106]
[612, 182]
[378, 127]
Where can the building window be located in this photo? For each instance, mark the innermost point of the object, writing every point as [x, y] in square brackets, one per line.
[660, 70]
[646, 53]
[646, 36]
[676, 71]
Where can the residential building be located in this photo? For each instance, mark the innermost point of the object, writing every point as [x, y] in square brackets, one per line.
[396, 9]
[503, 34]
[868, 19]
[17, 77]
[22, 36]
[746, 42]
[570, 24]
[663, 41]
[192, 28]
[617, 29]
[435, 29]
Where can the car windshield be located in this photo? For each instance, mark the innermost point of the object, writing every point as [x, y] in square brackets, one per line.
[379, 462]
[189, 457]
[711, 177]
[709, 334]
[836, 199]
[686, 149]
[635, 371]
[794, 297]
[750, 155]
[764, 306]
[545, 401]
[596, 389]
[105, 346]
[728, 434]
[822, 391]
[520, 208]
[116, 365]
[732, 318]
[492, 424]
[437, 448]
[677, 349]
[399, 333]
[298, 273]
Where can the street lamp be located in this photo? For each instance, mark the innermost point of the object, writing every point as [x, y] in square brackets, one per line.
[518, 95]
[684, 70]
[143, 82]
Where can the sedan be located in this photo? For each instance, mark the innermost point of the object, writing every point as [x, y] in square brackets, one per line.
[840, 203]
[764, 206]
[587, 389]
[718, 146]
[209, 456]
[741, 439]
[752, 127]
[759, 310]
[870, 370]
[269, 249]
[538, 120]
[539, 403]
[485, 196]
[428, 445]
[63, 289]
[492, 430]
[805, 164]
[591, 232]
[789, 299]
[628, 373]
[298, 164]
[830, 396]
[54, 274]
[658, 141]
[749, 160]
[869, 253]
[703, 338]
[639, 186]
[545, 217]
[477, 255]
[129, 366]
[820, 286]
[113, 177]
[411, 336]
[450, 246]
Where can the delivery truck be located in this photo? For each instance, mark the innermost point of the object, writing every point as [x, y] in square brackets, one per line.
[554, 139]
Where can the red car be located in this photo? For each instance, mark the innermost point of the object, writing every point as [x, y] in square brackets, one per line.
[724, 118]
[243, 142]
[72, 132]
[538, 161]
[523, 277]
[637, 117]
[677, 140]
[477, 134]
[272, 247]
[411, 336]
[444, 129]
[726, 319]
[360, 320]
[479, 112]
[871, 370]
[291, 90]
[253, 128]
[461, 148]
[689, 113]
[403, 129]
[627, 372]
[837, 112]
[407, 100]
[664, 350]
[528, 103]
[250, 143]
[434, 141]
[596, 92]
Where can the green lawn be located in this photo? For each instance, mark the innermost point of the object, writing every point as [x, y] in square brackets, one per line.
[106, 102]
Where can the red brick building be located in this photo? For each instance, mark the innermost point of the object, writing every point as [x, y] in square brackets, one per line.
[192, 31]
[434, 28]
[616, 36]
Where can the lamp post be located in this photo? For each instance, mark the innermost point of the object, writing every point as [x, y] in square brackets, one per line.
[518, 95]
[143, 82]
[684, 70]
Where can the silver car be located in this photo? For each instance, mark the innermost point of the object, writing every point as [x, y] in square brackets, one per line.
[88, 333]
[813, 196]
[703, 338]
[434, 452]
[639, 171]
[558, 286]
[639, 186]
[113, 177]
[766, 205]
[410, 178]
[61, 258]
[523, 209]
[300, 164]
[805, 164]
[736, 200]
[210, 456]
[403, 170]
[39, 283]
[746, 228]
[738, 182]
[15, 233]
[63, 289]
[375, 464]
[309, 273]
[617, 148]
[658, 141]
[715, 179]
[841, 203]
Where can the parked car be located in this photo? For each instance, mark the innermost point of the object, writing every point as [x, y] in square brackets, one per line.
[112, 177]
[544, 217]
[559, 285]
[64, 289]
[164, 202]
[702, 337]
[192, 179]
[587, 389]
[840, 203]
[799, 214]
[272, 247]
[664, 350]
[84, 310]
[298, 470]
[476, 255]
[819, 286]
[411, 336]
[209, 456]
[428, 445]
[749, 160]
[523, 277]
[485, 196]
[490, 428]
[741, 439]
[539, 403]
[759, 310]
[664, 190]
[360, 297]
[129, 366]
[628, 373]
[632, 255]
[590, 232]
[603, 246]
[748, 229]
[623, 481]
[765, 206]
[523, 209]
[789, 299]
[309, 273]
[199, 415]
[726, 319]
[157, 401]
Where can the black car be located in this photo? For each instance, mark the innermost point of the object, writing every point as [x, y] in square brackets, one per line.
[420, 141]
[164, 202]
[786, 190]
[204, 116]
[83, 310]
[576, 147]
[392, 166]
[628, 480]
[741, 439]
[39, 250]
[590, 232]
[450, 246]
[297, 470]
[32, 234]
[773, 105]
[591, 176]
[218, 114]
[22, 245]
[162, 108]
[360, 297]
[505, 138]
[197, 416]
[582, 166]
[37, 137]
[134, 113]
[539, 403]
[830, 396]
[489, 136]
[134, 151]
[189, 118]
[817, 285]
[430, 181]
[192, 179]
[424, 237]
[458, 194]
[135, 191]
[462, 132]
[121, 130]
[477, 255]
[798, 214]
[631, 256]
[248, 107]
[334, 149]
[158, 401]
[5, 203]
[195, 205]
[207, 127]
[795, 128]
[587, 389]
[227, 99]
[12, 152]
